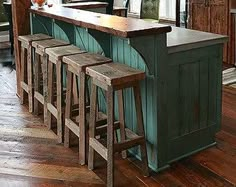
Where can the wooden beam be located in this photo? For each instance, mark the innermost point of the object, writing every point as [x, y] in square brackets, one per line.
[177, 13]
[21, 26]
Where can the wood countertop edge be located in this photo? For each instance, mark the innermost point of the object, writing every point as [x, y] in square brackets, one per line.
[126, 34]
[195, 45]
[86, 5]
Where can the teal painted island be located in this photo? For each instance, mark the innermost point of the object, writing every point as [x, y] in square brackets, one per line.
[181, 94]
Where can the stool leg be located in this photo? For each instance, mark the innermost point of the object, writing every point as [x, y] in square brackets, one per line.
[23, 74]
[92, 123]
[121, 119]
[36, 82]
[59, 100]
[30, 78]
[139, 113]
[69, 85]
[82, 123]
[50, 92]
[75, 90]
[110, 138]
[45, 86]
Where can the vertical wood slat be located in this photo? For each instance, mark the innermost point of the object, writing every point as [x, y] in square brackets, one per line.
[20, 27]
[50, 92]
[23, 74]
[36, 81]
[59, 99]
[92, 123]
[69, 85]
[110, 138]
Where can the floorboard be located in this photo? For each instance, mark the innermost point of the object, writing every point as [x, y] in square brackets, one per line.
[31, 157]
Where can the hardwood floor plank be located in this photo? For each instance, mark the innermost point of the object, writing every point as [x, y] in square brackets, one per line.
[218, 162]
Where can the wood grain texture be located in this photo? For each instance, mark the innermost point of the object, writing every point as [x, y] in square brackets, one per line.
[21, 26]
[36, 148]
[211, 16]
[118, 26]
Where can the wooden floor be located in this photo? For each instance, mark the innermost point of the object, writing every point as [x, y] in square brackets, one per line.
[30, 156]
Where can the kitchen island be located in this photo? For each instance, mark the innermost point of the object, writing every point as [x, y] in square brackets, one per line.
[181, 94]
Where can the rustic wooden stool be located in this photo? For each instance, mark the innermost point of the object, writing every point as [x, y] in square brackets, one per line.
[40, 66]
[115, 77]
[55, 56]
[76, 64]
[26, 76]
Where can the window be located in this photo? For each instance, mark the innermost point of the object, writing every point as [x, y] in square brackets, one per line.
[135, 7]
[167, 9]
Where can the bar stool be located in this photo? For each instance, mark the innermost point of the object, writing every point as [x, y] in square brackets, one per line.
[26, 76]
[55, 56]
[77, 65]
[115, 77]
[40, 66]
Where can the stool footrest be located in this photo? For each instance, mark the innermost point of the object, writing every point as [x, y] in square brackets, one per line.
[39, 97]
[103, 128]
[98, 147]
[75, 110]
[129, 143]
[74, 127]
[52, 109]
[24, 86]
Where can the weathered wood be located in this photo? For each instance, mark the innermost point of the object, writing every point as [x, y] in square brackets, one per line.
[115, 73]
[59, 100]
[118, 26]
[103, 76]
[141, 132]
[36, 83]
[204, 15]
[81, 61]
[69, 83]
[121, 118]
[24, 136]
[110, 138]
[22, 74]
[57, 53]
[50, 75]
[42, 45]
[92, 123]
[21, 26]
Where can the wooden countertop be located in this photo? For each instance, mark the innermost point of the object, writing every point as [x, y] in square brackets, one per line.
[118, 26]
[86, 5]
[181, 39]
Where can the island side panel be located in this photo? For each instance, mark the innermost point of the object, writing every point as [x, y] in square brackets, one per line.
[194, 100]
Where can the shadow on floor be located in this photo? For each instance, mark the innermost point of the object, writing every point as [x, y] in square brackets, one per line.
[6, 58]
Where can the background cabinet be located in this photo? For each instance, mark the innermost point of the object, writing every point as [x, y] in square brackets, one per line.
[212, 16]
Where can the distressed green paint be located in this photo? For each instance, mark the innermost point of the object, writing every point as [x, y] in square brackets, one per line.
[181, 95]
[195, 99]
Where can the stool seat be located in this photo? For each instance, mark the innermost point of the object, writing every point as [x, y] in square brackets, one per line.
[29, 38]
[115, 73]
[81, 61]
[42, 45]
[57, 53]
